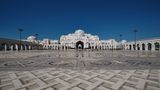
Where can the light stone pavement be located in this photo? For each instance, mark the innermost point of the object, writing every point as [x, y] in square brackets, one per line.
[60, 79]
[54, 78]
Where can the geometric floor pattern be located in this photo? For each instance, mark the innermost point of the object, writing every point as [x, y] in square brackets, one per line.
[60, 79]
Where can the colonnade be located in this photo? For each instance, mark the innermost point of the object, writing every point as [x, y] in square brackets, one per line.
[143, 45]
[65, 47]
[14, 47]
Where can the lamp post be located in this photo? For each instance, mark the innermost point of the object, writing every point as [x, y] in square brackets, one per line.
[20, 37]
[135, 32]
[120, 35]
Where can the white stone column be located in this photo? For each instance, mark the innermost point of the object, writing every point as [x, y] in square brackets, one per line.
[123, 47]
[64, 47]
[114, 47]
[136, 47]
[140, 46]
[29, 47]
[25, 47]
[21, 47]
[127, 47]
[153, 46]
[132, 47]
[146, 46]
[16, 46]
[54, 47]
[5, 47]
[97, 46]
[109, 47]
[57, 47]
[61, 47]
[11, 47]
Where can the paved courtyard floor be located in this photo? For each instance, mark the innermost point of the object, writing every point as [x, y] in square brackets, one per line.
[79, 70]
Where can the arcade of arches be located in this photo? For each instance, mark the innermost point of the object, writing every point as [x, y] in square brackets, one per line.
[10, 44]
[153, 44]
[7, 46]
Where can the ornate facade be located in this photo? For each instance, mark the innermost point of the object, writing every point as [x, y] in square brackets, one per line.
[80, 40]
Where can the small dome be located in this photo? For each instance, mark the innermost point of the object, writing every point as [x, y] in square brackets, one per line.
[31, 38]
[123, 41]
[79, 31]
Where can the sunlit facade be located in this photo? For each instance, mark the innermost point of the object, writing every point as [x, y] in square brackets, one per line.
[79, 40]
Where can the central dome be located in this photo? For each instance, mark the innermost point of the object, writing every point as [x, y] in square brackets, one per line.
[79, 31]
[31, 38]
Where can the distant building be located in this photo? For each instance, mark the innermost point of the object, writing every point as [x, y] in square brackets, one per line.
[32, 39]
[50, 44]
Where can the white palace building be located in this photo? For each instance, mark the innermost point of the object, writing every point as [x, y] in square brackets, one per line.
[79, 40]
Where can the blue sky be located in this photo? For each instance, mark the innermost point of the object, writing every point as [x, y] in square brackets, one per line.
[105, 18]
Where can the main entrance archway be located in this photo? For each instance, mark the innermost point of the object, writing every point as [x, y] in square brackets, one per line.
[79, 45]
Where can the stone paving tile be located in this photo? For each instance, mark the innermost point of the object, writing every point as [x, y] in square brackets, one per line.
[66, 79]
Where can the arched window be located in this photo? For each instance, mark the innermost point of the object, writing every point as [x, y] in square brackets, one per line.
[149, 46]
[134, 47]
[157, 46]
[138, 48]
[79, 45]
[143, 46]
[130, 47]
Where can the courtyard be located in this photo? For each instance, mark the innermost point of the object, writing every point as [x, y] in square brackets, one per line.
[79, 70]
